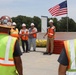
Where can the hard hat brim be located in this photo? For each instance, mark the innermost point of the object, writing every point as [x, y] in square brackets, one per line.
[5, 26]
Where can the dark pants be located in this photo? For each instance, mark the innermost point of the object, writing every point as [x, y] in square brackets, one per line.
[23, 45]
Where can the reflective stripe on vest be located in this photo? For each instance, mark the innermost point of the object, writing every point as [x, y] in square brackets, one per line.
[6, 61]
[70, 47]
[7, 66]
[71, 73]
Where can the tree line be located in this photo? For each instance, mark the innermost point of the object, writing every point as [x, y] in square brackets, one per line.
[61, 25]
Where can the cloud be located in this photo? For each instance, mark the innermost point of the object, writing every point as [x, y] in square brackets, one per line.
[5, 1]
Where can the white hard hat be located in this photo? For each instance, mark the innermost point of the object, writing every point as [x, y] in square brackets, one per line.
[23, 24]
[50, 21]
[14, 24]
[32, 24]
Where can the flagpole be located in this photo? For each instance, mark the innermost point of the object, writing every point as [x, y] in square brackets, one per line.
[67, 16]
[67, 22]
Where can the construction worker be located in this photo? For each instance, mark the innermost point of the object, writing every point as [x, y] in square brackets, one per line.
[24, 37]
[14, 31]
[50, 38]
[67, 58]
[10, 60]
[32, 36]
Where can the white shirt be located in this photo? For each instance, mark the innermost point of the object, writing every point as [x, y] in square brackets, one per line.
[25, 30]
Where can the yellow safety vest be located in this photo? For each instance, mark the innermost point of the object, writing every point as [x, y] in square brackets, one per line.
[7, 66]
[70, 47]
[14, 33]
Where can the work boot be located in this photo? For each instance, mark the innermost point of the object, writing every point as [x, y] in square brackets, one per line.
[50, 53]
[34, 50]
[45, 53]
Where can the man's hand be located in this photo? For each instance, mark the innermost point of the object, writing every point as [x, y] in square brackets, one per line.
[30, 33]
[50, 33]
[43, 36]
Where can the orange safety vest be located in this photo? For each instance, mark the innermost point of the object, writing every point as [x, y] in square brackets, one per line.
[14, 33]
[51, 32]
[35, 34]
[24, 37]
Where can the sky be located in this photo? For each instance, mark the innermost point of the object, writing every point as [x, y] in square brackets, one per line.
[31, 8]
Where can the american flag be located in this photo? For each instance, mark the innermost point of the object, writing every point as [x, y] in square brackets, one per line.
[59, 9]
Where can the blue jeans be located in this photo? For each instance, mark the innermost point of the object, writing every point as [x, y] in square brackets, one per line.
[23, 45]
[32, 41]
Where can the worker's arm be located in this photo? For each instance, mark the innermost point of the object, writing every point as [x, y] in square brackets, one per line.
[63, 62]
[34, 31]
[18, 64]
[62, 70]
[44, 35]
[54, 30]
[17, 58]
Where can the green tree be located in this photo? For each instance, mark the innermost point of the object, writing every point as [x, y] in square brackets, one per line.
[71, 25]
[63, 24]
[37, 22]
